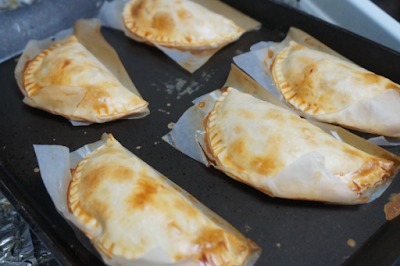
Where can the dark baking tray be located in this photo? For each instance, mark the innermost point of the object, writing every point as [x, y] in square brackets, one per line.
[309, 233]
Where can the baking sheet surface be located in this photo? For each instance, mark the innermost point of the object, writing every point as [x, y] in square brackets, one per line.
[289, 232]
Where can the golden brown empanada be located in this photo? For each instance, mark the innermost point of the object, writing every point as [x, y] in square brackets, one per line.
[178, 23]
[253, 141]
[318, 83]
[130, 209]
[68, 80]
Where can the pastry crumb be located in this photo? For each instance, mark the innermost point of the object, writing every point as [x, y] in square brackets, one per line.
[167, 113]
[171, 125]
[238, 52]
[54, 139]
[138, 147]
[36, 170]
[161, 110]
[4, 147]
[351, 243]
[278, 245]
[168, 104]
[84, 133]
[247, 228]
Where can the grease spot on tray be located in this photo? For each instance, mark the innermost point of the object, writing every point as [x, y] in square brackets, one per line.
[392, 208]
[186, 87]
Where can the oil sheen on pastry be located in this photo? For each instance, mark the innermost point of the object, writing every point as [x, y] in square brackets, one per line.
[131, 210]
[70, 65]
[318, 83]
[178, 23]
[253, 140]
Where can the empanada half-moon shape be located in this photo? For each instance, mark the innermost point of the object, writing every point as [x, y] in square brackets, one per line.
[71, 64]
[318, 83]
[178, 23]
[135, 210]
[253, 140]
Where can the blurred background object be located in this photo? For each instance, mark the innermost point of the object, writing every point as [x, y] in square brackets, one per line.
[374, 20]
[18, 246]
[27, 20]
[6, 5]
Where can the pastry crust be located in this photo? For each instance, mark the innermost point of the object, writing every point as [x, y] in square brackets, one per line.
[318, 83]
[69, 67]
[253, 140]
[129, 210]
[178, 23]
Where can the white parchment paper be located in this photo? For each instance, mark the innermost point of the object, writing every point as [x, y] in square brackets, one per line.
[190, 59]
[56, 162]
[377, 115]
[187, 135]
[88, 33]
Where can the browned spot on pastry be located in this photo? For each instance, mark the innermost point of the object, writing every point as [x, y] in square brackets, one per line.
[211, 244]
[264, 165]
[183, 13]
[192, 199]
[93, 180]
[176, 188]
[144, 193]
[97, 97]
[248, 114]
[184, 206]
[392, 86]
[201, 104]
[353, 152]
[173, 225]
[216, 143]
[215, 220]
[308, 41]
[81, 54]
[238, 129]
[272, 115]
[370, 78]
[102, 208]
[66, 63]
[188, 39]
[285, 86]
[163, 22]
[139, 8]
[270, 53]
[238, 146]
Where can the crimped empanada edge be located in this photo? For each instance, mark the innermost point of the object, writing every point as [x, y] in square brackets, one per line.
[147, 37]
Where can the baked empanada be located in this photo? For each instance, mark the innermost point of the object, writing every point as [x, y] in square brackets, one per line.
[318, 83]
[178, 23]
[68, 80]
[129, 209]
[253, 141]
